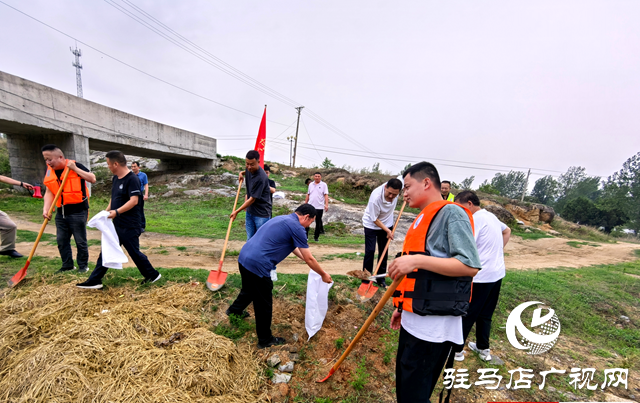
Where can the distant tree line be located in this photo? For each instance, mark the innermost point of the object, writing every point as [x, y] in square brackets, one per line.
[576, 196]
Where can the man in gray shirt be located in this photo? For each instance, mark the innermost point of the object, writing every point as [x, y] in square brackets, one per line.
[258, 198]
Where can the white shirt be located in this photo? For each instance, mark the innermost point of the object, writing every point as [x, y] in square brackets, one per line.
[316, 194]
[379, 208]
[488, 235]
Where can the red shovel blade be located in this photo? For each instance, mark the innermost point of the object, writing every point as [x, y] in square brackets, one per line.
[366, 291]
[216, 280]
[19, 276]
[327, 377]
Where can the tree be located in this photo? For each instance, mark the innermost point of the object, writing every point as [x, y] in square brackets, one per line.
[326, 164]
[486, 187]
[622, 190]
[405, 168]
[576, 183]
[466, 183]
[546, 190]
[584, 211]
[376, 168]
[509, 185]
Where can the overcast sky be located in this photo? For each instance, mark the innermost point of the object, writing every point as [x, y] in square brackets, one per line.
[542, 84]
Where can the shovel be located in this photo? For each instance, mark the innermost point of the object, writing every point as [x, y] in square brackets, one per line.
[366, 325]
[19, 276]
[366, 291]
[216, 279]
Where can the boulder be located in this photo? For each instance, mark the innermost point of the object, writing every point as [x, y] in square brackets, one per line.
[546, 213]
[275, 169]
[168, 194]
[273, 360]
[288, 367]
[289, 174]
[503, 214]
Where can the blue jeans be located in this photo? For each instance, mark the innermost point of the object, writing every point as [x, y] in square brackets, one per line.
[253, 224]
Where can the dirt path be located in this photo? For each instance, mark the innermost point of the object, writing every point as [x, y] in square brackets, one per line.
[202, 253]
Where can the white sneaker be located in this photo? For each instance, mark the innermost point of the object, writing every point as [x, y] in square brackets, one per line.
[484, 354]
[460, 356]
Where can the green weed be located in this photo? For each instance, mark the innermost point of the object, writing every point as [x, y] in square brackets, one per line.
[181, 248]
[360, 377]
[236, 329]
[339, 342]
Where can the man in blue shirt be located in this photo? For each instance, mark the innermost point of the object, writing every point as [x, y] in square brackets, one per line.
[144, 189]
[275, 240]
[258, 198]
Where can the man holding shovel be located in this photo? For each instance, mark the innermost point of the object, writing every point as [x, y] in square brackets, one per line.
[8, 228]
[277, 239]
[258, 199]
[439, 259]
[378, 225]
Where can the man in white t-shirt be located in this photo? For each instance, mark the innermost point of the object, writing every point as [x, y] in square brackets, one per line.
[318, 197]
[491, 237]
[378, 225]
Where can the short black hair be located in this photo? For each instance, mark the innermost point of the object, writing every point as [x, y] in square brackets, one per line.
[50, 147]
[307, 181]
[136, 162]
[117, 156]
[447, 182]
[466, 196]
[305, 209]
[395, 184]
[317, 173]
[267, 168]
[253, 155]
[423, 170]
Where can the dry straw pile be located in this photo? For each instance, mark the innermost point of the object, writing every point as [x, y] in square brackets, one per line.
[61, 344]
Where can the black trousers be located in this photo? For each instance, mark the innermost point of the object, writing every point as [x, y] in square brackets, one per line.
[129, 239]
[419, 364]
[483, 303]
[319, 227]
[143, 220]
[76, 225]
[256, 289]
[371, 238]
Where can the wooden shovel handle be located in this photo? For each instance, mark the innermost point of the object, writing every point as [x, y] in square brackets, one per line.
[226, 238]
[46, 220]
[389, 240]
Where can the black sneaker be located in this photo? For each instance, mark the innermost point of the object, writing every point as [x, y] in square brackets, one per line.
[243, 315]
[382, 284]
[63, 269]
[275, 341]
[150, 280]
[90, 285]
[83, 270]
[316, 239]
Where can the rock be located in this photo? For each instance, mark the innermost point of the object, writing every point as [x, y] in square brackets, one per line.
[293, 349]
[554, 233]
[547, 213]
[323, 361]
[496, 360]
[295, 337]
[625, 318]
[228, 176]
[289, 174]
[274, 169]
[551, 389]
[528, 230]
[520, 223]
[194, 192]
[273, 360]
[150, 164]
[502, 213]
[173, 185]
[340, 180]
[288, 367]
[295, 357]
[349, 301]
[570, 396]
[168, 194]
[281, 378]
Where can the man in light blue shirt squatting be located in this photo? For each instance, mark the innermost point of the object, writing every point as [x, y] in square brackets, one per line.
[275, 240]
[144, 189]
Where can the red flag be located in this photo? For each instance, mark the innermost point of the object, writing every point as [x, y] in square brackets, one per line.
[262, 137]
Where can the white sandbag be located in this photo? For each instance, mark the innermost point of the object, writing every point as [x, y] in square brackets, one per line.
[112, 255]
[278, 195]
[317, 303]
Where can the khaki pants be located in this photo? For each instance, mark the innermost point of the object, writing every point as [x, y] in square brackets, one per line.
[8, 230]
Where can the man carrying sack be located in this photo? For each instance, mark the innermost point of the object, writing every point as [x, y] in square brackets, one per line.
[73, 205]
[438, 249]
[276, 240]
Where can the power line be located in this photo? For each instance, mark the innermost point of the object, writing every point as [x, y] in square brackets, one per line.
[135, 68]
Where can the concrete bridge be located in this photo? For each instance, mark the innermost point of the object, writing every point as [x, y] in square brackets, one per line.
[32, 115]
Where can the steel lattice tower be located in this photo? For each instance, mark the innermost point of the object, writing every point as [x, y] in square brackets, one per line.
[77, 52]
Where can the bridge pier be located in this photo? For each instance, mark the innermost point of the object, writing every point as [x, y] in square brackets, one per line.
[25, 157]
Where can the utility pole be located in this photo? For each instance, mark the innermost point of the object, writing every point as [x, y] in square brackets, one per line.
[77, 52]
[290, 138]
[526, 184]
[295, 148]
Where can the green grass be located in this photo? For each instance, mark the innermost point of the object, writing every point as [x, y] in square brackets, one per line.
[236, 328]
[30, 236]
[345, 256]
[339, 343]
[576, 244]
[533, 235]
[181, 248]
[361, 375]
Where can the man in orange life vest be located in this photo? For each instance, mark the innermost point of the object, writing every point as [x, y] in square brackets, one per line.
[73, 205]
[440, 259]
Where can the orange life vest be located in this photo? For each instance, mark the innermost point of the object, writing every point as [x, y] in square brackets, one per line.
[72, 192]
[422, 291]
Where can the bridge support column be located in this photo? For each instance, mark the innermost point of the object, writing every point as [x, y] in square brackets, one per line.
[25, 157]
